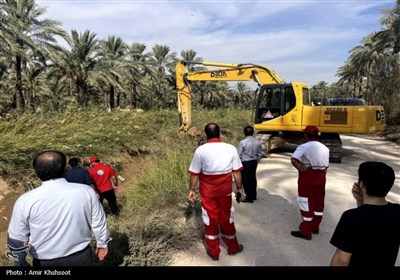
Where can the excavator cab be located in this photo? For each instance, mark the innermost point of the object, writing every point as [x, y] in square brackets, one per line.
[274, 101]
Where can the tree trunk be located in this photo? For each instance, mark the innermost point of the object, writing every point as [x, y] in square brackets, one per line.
[112, 97]
[118, 102]
[19, 96]
[32, 99]
[80, 93]
[133, 94]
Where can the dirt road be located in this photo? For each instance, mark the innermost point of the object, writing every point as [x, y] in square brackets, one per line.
[264, 226]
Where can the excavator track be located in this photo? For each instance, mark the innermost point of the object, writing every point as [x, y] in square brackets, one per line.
[269, 142]
[334, 144]
[331, 140]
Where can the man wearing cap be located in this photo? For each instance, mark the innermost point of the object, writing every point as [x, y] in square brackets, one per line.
[311, 159]
[106, 181]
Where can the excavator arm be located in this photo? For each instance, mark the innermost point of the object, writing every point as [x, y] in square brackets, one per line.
[225, 72]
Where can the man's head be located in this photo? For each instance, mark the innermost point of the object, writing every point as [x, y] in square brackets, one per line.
[248, 130]
[50, 165]
[93, 159]
[377, 177]
[212, 131]
[312, 132]
[74, 161]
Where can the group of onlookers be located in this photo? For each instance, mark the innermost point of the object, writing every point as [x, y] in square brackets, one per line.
[55, 221]
[368, 235]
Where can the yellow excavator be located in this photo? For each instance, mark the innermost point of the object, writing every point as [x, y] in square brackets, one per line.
[281, 109]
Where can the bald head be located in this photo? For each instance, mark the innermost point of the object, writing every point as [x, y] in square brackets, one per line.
[212, 131]
[50, 165]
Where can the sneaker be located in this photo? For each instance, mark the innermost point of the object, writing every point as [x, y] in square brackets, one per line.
[239, 250]
[300, 235]
[247, 200]
[213, 258]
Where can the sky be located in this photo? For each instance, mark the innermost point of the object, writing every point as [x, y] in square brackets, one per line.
[303, 41]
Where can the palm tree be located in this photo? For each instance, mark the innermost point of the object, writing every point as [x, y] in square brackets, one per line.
[112, 52]
[24, 31]
[55, 95]
[359, 68]
[321, 90]
[136, 67]
[163, 63]
[217, 95]
[190, 55]
[34, 81]
[79, 64]
[388, 44]
[242, 95]
[6, 86]
[390, 37]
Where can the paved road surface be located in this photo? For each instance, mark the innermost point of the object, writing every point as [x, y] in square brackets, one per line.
[264, 227]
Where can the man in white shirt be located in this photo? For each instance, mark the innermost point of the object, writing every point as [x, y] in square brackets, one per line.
[213, 166]
[55, 221]
[311, 159]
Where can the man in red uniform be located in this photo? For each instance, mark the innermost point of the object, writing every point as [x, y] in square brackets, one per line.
[311, 159]
[106, 181]
[214, 163]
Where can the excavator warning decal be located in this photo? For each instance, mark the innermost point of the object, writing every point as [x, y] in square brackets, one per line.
[268, 115]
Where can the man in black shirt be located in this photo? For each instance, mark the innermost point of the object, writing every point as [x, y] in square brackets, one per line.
[369, 235]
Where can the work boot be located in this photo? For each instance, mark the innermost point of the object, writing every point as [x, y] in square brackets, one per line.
[298, 234]
[239, 250]
[213, 258]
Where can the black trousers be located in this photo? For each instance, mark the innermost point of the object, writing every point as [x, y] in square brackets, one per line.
[249, 179]
[80, 258]
[111, 199]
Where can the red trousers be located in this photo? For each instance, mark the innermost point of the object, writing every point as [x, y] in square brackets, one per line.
[218, 220]
[311, 189]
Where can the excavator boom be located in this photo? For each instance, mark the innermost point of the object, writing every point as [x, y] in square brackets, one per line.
[229, 72]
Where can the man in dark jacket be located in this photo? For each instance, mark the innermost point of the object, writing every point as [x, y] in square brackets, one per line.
[78, 174]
